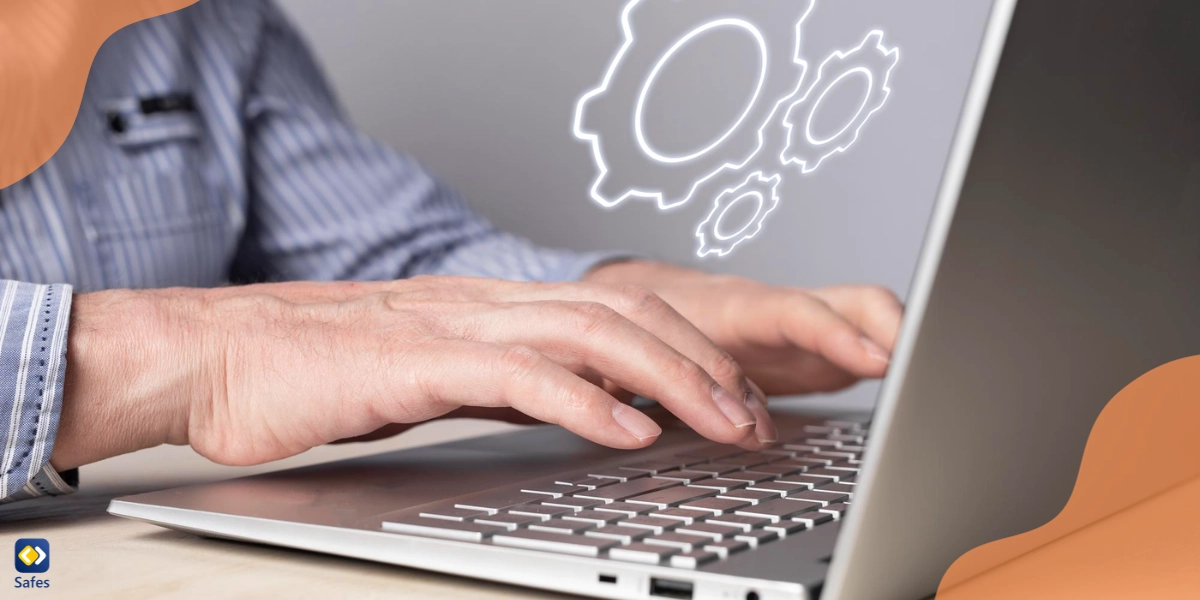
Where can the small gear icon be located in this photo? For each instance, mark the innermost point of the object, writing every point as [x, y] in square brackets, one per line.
[870, 62]
[629, 163]
[715, 234]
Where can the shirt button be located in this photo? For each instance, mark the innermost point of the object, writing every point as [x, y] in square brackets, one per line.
[116, 122]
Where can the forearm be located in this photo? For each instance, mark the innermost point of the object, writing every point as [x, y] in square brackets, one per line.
[33, 328]
[134, 361]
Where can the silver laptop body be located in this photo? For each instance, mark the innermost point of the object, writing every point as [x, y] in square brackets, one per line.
[1062, 262]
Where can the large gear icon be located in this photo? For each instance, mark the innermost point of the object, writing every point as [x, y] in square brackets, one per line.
[629, 165]
[871, 62]
[714, 233]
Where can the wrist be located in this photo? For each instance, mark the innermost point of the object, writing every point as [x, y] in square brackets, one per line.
[132, 369]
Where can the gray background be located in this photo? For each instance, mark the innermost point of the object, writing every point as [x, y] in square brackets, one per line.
[484, 92]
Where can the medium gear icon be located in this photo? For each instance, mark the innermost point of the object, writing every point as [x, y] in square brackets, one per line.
[872, 62]
[628, 163]
[715, 235]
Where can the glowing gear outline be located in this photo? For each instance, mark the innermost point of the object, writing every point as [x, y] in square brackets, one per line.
[616, 183]
[764, 188]
[870, 57]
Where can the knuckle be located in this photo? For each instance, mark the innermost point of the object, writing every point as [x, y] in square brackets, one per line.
[725, 368]
[592, 317]
[520, 361]
[639, 300]
[687, 370]
[575, 402]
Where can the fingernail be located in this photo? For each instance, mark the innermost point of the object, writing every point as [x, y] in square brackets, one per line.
[636, 423]
[765, 432]
[735, 410]
[874, 350]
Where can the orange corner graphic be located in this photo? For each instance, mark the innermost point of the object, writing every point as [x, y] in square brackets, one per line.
[46, 51]
[1132, 526]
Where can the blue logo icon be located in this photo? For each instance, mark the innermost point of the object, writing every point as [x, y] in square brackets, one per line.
[32, 555]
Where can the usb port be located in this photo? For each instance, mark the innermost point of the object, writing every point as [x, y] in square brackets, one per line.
[670, 588]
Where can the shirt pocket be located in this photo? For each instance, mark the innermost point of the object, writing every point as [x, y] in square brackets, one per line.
[158, 221]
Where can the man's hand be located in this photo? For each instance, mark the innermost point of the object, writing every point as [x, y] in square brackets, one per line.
[252, 374]
[257, 373]
[789, 340]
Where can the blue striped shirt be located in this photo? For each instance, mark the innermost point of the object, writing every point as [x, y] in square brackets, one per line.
[209, 149]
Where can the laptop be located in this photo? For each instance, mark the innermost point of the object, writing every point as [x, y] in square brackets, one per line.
[1062, 262]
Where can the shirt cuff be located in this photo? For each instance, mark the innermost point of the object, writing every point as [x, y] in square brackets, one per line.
[33, 346]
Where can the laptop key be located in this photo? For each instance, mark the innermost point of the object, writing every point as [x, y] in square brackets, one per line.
[811, 481]
[710, 530]
[822, 498]
[845, 426]
[617, 474]
[775, 469]
[655, 466]
[562, 526]
[554, 490]
[683, 476]
[595, 517]
[837, 510]
[757, 537]
[540, 511]
[753, 497]
[683, 541]
[554, 542]
[671, 496]
[820, 429]
[640, 552]
[823, 443]
[813, 518]
[780, 487]
[714, 469]
[711, 452]
[724, 548]
[441, 528]
[655, 524]
[625, 535]
[743, 522]
[508, 521]
[844, 488]
[589, 483]
[451, 513]
[844, 438]
[628, 489]
[625, 508]
[783, 508]
[749, 476]
[571, 502]
[720, 484]
[832, 473]
[686, 516]
[693, 559]
[786, 528]
[493, 502]
[717, 506]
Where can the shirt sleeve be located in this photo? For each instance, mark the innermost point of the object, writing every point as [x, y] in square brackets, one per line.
[329, 203]
[33, 346]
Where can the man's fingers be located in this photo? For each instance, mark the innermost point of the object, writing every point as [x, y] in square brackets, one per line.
[796, 318]
[875, 310]
[652, 313]
[591, 338]
[462, 373]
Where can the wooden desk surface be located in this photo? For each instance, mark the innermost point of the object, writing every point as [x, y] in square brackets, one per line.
[95, 555]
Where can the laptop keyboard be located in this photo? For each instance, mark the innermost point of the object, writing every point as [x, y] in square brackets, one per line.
[685, 510]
